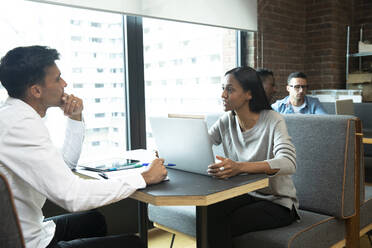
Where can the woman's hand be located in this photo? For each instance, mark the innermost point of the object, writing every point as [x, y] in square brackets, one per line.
[224, 169]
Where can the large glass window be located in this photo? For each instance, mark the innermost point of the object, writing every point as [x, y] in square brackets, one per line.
[184, 67]
[91, 48]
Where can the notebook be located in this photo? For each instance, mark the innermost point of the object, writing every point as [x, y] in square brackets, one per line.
[111, 164]
[184, 142]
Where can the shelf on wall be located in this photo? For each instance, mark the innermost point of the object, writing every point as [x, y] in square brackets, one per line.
[360, 54]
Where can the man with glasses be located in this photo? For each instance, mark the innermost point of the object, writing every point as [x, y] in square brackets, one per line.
[297, 102]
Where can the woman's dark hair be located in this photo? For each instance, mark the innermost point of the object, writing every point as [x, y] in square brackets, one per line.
[23, 67]
[250, 81]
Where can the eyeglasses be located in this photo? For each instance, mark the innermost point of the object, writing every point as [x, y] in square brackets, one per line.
[297, 87]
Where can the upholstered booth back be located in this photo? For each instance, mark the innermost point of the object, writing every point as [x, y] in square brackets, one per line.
[325, 160]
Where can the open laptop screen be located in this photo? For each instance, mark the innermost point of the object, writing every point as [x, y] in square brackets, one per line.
[184, 142]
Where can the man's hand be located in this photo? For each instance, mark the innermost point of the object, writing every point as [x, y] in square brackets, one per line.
[72, 107]
[156, 173]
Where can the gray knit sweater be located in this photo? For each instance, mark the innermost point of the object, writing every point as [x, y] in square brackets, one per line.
[267, 140]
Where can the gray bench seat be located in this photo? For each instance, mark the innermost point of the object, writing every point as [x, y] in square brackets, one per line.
[312, 226]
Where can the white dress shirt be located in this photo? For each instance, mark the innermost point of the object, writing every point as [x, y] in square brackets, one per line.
[36, 171]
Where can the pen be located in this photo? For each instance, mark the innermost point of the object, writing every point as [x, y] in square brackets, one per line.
[166, 164]
[125, 167]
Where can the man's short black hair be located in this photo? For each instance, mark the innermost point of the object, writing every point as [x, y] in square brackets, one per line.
[23, 67]
[264, 73]
[250, 81]
[296, 74]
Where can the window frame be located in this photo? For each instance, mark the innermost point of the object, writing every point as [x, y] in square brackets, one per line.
[135, 79]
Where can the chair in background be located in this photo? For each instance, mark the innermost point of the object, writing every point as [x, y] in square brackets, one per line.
[344, 107]
[10, 229]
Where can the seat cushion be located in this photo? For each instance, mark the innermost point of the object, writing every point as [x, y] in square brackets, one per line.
[323, 229]
[179, 218]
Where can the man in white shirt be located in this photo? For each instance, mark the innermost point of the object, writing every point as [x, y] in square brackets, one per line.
[35, 168]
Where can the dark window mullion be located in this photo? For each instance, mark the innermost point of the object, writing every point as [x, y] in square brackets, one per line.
[135, 89]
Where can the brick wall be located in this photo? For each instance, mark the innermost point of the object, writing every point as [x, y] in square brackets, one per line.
[309, 36]
[325, 58]
[281, 25]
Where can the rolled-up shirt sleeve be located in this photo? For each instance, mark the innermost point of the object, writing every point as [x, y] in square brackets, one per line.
[73, 143]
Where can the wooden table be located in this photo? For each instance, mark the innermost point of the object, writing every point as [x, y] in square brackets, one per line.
[189, 189]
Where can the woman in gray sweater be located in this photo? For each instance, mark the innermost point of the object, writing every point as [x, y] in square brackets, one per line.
[255, 140]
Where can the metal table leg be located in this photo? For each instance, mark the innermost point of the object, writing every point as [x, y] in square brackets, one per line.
[201, 227]
[143, 222]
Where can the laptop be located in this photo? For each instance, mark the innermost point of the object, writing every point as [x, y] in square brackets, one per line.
[184, 142]
[344, 107]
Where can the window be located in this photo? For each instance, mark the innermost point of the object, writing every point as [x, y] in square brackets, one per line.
[96, 40]
[83, 40]
[182, 75]
[77, 85]
[96, 143]
[216, 80]
[99, 115]
[75, 22]
[185, 87]
[77, 70]
[215, 57]
[76, 38]
[95, 24]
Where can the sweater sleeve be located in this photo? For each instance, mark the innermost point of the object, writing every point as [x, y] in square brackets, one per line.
[283, 150]
[215, 132]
